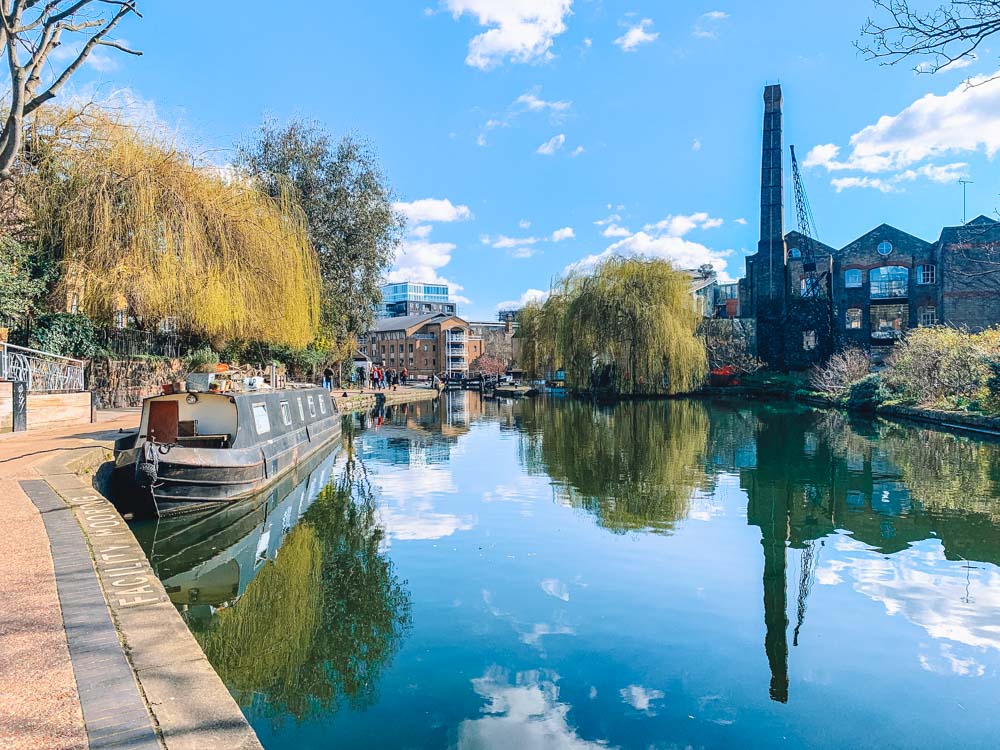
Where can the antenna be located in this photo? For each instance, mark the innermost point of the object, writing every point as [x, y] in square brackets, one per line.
[964, 183]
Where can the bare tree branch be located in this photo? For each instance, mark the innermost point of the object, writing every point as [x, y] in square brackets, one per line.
[36, 27]
[941, 37]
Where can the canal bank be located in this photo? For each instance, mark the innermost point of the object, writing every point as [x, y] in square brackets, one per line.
[353, 400]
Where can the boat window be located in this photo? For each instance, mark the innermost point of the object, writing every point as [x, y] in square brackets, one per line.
[260, 419]
[322, 405]
[302, 414]
[312, 406]
[286, 413]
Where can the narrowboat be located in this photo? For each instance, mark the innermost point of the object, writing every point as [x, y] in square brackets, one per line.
[195, 450]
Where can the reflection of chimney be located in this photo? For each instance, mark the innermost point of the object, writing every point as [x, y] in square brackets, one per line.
[774, 536]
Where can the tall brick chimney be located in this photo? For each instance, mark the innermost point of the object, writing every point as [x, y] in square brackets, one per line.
[769, 270]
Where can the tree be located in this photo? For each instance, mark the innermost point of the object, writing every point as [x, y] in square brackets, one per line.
[950, 32]
[349, 212]
[627, 329]
[488, 365]
[18, 288]
[136, 224]
[37, 28]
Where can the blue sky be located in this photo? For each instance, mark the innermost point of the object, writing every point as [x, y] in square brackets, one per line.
[526, 136]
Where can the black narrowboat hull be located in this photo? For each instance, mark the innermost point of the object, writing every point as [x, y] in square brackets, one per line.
[191, 479]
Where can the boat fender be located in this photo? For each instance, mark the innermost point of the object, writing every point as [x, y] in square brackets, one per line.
[146, 469]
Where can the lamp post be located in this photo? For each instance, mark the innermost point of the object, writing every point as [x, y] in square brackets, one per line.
[964, 183]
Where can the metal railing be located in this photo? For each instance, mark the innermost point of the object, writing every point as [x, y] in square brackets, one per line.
[40, 370]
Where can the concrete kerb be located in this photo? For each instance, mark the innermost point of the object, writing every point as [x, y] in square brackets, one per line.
[190, 705]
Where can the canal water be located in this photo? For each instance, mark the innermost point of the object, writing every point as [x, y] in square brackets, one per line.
[545, 574]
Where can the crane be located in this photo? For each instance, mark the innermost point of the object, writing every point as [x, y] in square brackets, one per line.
[806, 225]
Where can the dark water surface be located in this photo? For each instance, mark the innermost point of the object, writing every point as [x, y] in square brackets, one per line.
[543, 574]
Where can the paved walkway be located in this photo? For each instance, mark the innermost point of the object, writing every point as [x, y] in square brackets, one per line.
[39, 704]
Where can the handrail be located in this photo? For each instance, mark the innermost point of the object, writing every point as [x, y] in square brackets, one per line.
[47, 355]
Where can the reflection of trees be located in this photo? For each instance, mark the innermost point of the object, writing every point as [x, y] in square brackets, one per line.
[319, 623]
[634, 466]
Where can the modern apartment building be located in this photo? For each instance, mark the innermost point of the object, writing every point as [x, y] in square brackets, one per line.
[432, 343]
[412, 298]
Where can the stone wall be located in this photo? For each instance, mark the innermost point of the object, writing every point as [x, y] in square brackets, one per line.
[122, 383]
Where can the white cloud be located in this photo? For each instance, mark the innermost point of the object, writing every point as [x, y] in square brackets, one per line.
[566, 233]
[533, 103]
[528, 102]
[613, 230]
[641, 698]
[577, 151]
[696, 145]
[964, 120]
[706, 26]
[530, 296]
[555, 587]
[942, 173]
[610, 220]
[741, 221]
[552, 145]
[503, 242]
[525, 713]
[421, 230]
[679, 252]
[681, 224]
[524, 224]
[932, 67]
[521, 31]
[433, 209]
[420, 260]
[874, 183]
[637, 35]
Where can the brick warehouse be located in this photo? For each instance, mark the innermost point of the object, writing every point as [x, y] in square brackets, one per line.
[809, 299]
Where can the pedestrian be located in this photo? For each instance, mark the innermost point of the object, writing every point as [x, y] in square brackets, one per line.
[328, 378]
[403, 376]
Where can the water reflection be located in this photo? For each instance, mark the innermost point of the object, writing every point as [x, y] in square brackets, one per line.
[295, 604]
[657, 574]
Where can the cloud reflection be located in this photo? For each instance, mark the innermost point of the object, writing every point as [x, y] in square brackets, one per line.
[525, 714]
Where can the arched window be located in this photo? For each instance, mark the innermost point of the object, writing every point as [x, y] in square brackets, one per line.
[794, 253]
[852, 277]
[853, 318]
[889, 282]
[884, 248]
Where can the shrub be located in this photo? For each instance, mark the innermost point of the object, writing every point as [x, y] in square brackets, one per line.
[840, 371]
[938, 364]
[200, 359]
[867, 394]
[65, 334]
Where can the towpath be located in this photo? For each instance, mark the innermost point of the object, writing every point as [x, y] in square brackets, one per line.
[39, 704]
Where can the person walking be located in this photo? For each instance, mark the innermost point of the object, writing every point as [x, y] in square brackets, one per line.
[328, 378]
[403, 376]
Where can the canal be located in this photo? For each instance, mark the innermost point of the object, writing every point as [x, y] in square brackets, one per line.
[546, 574]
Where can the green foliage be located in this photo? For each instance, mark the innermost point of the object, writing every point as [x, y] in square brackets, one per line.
[942, 366]
[628, 328]
[349, 211]
[18, 287]
[317, 626]
[64, 334]
[866, 394]
[631, 466]
[198, 359]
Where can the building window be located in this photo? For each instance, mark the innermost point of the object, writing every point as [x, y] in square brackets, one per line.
[928, 315]
[425, 361]
[853, 319]
[286, 413]
[889, 282]
[884, 248]
[808, 341]
[794, 253]
[852, 278]
[411, 348]
[926, 274]
[889, 321]
[810, 286]
[260, 419]
[392, 347]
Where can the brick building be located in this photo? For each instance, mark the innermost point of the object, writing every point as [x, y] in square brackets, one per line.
[428, 344]
[810, 299]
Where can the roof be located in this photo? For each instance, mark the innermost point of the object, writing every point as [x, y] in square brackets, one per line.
[886, 230]
[700, 282]
[406, 322]
[982, 229]
[795, 238]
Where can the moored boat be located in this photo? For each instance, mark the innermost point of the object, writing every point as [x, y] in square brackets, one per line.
[197, 450]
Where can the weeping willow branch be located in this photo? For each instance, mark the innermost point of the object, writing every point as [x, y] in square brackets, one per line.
[133, 221]
[629, 327]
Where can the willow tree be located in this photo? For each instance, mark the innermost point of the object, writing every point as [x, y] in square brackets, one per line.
[136, 223]
[628, 328]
